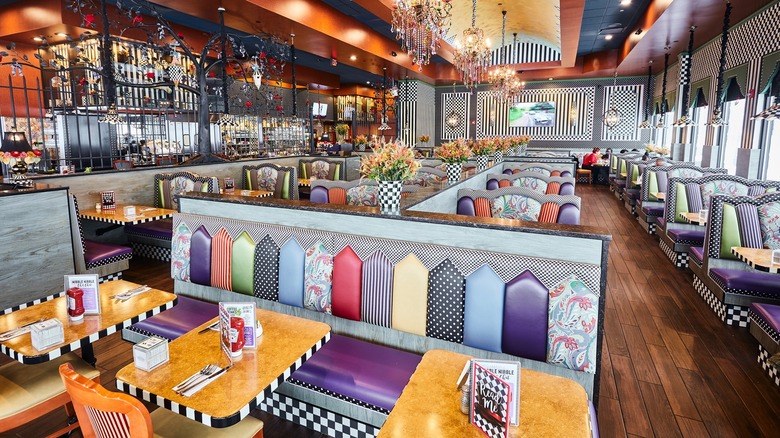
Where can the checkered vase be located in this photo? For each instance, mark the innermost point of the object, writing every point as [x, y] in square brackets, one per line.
[522, 149]
[482, 162]
[511, 152]
[390, 197]
[498, 157]
[453, 172]
[361, 147]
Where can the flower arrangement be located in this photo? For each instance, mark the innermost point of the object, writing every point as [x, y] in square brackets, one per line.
[502, 144]
[361, 139]
[342, 129]
[524, 139]
[30, 157]
[424, 138]
[650, 147]
[456, 151]
[389, 162]
[485, 146]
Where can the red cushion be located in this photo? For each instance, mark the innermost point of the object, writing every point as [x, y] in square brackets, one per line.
[482, 207]
[553, 188]
[337, 195]
[347, 284]
[549, 212]
[504, 183]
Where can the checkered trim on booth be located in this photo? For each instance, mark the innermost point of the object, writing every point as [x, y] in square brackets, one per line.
[771, 370]
[715, 304]
[109, 260]
[151, 251]
[315, 418]
[110, 277]
[680, 259]
[75, 345]
[339, 396]
[737, 315]
[765, 327]
[225, 421]
[32, 303]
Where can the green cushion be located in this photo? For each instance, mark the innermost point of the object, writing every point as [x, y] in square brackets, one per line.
[243, 264]
[682, 203]
[285, 181]
[730, 234]
[652, 185]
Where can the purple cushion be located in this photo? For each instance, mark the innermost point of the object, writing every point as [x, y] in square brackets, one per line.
[466, 206]
[594, 424]
[569, 214]
[694, 237]
[96, 251]
[368, 372]
[620, 182]
[526, 304]
[492, 184]
[697, 254]
[770, 313]
[161, 229]
[187, 314]
[653, 211]
[760, 282]
[566, 189]
[749, 226]
[319, 194]
[632, 194]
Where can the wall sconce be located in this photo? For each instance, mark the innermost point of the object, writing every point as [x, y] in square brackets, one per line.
[574, 114]
[492, 118]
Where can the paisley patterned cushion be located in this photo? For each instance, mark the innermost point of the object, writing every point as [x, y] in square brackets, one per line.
[571, 328]
[266, 178]
[180, 185]
[516, 207]
[363, 195]
[180, 253]
[684, 173]
[731, 188]
[534, 184]
[318, 279]
[769, 215]
[541, 170]
[320, 170]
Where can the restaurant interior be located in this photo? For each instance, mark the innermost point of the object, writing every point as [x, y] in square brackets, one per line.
[380, 218]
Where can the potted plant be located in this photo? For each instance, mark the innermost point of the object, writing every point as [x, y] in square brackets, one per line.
[390, 165]
[361, 141]
[424, 139]
[342, 129]
[454, 153]
[482, 149]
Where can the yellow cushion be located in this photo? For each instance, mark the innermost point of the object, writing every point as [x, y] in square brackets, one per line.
[24, 386]
[410, 296]
[171, 424]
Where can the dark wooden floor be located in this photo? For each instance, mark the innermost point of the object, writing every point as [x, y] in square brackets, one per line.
[669, 366]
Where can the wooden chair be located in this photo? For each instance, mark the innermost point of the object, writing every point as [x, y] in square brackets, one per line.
[100, 410]
[30, 391]
[122, 164]
[585, 174]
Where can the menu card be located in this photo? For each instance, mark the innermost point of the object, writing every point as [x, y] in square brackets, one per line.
[490, 402]
[89, 284]
[509, 372]
[108, 200]
[224, 331]
[247, 312]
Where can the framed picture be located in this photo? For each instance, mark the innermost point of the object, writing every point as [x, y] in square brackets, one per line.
[185, 140]
[89, 284]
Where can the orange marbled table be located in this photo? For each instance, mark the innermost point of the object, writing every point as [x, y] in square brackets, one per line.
[287, 341]
[550, 406]
[117, 216]
[114, 316]
[692, 218]
[757, 258]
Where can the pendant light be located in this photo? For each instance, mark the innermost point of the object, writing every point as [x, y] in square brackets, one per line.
[660, 124]
[612, 116]
[684, 120]
[724, 40]
[646, 122]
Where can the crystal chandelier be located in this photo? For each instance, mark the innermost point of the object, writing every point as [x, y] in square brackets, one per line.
[503, 78]
[420, 25]
[472, 57]
[612, 116]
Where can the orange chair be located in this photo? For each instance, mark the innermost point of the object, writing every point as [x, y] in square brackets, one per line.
[103, 414]
[585, 174]
[29, 391]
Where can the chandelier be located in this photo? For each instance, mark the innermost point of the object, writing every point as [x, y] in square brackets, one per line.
[111, 117]
[503, 78]
[646, 122]
[612, 116]
[420, 25]
[472, 58]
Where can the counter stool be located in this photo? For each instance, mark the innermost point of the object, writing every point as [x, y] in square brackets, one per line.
[29, 391]
[585, 174]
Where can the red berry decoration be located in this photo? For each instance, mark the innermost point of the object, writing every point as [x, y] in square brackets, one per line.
[37, 152]
[15, 154]
[248, 104]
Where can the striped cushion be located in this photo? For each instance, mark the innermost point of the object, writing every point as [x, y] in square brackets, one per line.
[555, 173]
[749, 226]
[504, 183]
[337, 195]
[693, 192]
[221, 251]
[108, 424]
[756, 190]
[553, 188]
[549, 212]
[482, 207]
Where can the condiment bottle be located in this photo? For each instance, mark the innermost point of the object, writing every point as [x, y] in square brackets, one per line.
[75, 303]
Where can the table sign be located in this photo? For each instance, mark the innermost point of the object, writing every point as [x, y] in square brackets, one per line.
[129, 210]
[245, 311]
[776, 257]
[89, 284]
[490, 402]
[150, 353]
[46, 334]
[703, 213]
[108, 200]
[509, 372]
[230, 184]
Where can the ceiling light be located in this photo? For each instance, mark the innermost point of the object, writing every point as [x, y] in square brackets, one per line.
[549, 79]
[607, 37]
[353, 58]
[39, 39]
[61, 34]
[625, 2]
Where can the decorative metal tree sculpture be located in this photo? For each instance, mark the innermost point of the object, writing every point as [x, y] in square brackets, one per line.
[250, 55]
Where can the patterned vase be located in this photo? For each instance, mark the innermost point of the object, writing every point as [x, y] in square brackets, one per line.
[361, 147]
[390, 197]
[453, 172]
[498, 157]
[19, 171]
[482, 162]
[511, 152]
[521, 150]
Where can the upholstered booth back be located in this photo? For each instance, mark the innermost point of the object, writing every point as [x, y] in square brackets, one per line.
[615, 161]
[656, 178]
[545, 169]
[168, 185]
[516, 305]
[320, 168]
[363, 192]
[282, 181]
[746, 221]
[689, 195]
[550, 185]
[427, 176]
[521, 204]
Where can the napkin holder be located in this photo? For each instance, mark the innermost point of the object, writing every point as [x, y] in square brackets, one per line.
[47, 333]
[129, 210]
[703, 214]
[150, 353]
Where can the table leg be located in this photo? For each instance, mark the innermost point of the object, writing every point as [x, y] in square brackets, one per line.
[87, 353]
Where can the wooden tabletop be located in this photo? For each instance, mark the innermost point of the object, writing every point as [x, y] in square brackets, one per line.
[115, 315]
[757, 258]
[550, 406]
[661, 196]
[252, 193]
[691, 218]
[286, 342]
[117, 215]
[305, 182]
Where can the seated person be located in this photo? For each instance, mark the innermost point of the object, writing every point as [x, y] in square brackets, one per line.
[590, 159]
[607, 154]
[646, 156]
[660, 162]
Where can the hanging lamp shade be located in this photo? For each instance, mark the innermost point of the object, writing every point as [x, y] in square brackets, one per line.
[733, 91]
[700, 101]
[15, 141]
[773, 90]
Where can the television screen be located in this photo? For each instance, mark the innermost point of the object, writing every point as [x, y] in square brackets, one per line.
[532, 114]
[319, 109]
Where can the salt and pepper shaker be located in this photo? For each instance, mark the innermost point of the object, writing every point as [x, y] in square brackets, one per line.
[465, 397]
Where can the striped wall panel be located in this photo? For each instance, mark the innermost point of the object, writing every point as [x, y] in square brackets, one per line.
[629, 101]
[525, 52]
[573, 117]
[415, 114]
